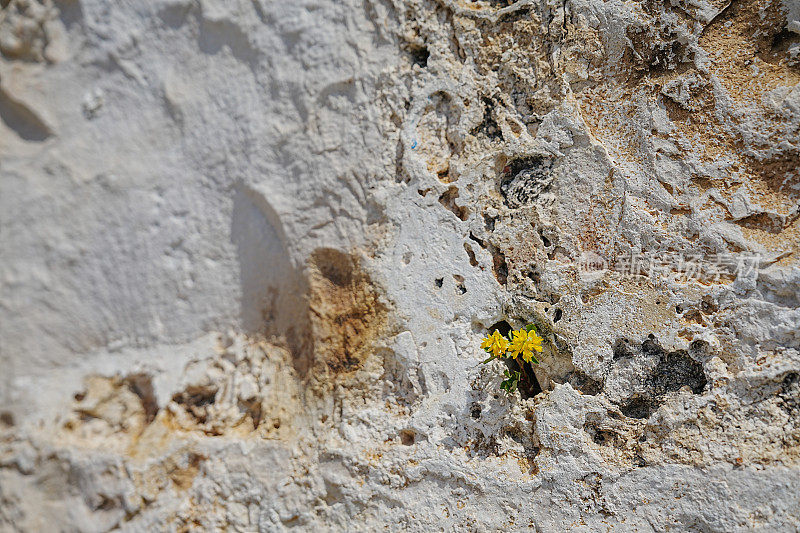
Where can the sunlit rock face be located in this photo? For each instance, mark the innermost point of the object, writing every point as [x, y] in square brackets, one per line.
[248, 250]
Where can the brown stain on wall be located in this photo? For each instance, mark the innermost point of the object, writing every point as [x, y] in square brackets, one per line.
[346, 314]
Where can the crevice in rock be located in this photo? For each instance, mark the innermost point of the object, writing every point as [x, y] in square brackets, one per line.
[499, 264]
[545, 241]
[528, 384]
[637, 407]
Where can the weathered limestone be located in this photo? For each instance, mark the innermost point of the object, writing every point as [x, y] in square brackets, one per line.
[248, 250]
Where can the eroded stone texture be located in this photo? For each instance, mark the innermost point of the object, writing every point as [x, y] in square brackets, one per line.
[249, 249]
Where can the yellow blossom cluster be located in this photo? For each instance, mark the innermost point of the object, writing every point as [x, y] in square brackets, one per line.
[523, 343]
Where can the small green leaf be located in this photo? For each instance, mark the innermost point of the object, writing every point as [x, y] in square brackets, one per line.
[530, 327]
[487, 360]
[510, 384]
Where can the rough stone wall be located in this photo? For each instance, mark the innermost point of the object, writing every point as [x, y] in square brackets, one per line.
[248, 250]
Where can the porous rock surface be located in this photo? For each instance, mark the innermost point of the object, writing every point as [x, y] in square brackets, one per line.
[248, 250]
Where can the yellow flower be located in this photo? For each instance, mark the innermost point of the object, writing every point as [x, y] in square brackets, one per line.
[518, 339]
[495, 344]
[524, 343]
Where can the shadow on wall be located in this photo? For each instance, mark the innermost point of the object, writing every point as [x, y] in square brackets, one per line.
[328, 310]
[22, 120]
[273, 289]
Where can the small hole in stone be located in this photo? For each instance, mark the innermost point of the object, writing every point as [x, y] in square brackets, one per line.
[503, 327]
[475, 410]
[471, 254]
[678, 309]
[439, 282]
[407, 437]
[7, 419]
[79, 396]
[420, 55]
[499, 265]
[448, 200]
[545, 240]
[557, 314]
